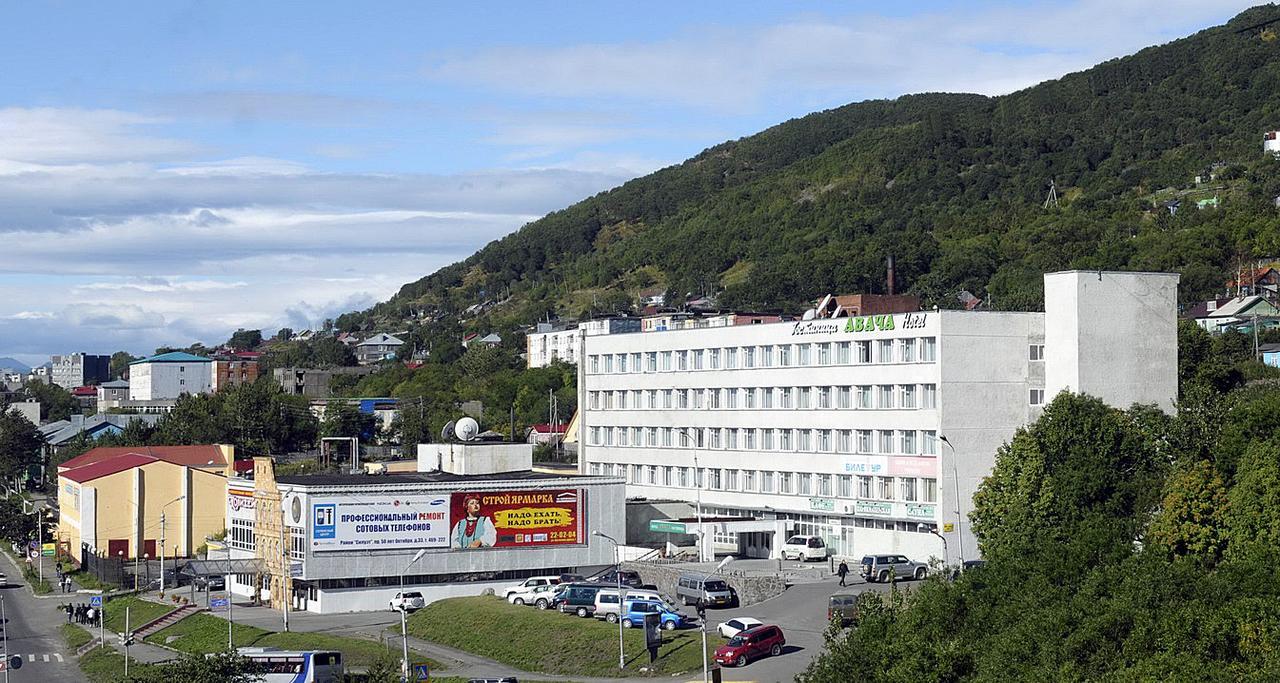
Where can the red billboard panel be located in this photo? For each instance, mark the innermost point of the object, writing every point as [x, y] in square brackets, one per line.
[512, 519]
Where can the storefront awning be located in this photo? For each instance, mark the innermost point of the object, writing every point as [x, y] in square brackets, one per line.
[221, 567]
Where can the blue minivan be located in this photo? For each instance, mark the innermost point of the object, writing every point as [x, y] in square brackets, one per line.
[633, 613]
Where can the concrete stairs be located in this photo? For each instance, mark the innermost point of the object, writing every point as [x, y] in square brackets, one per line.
[166, 621]
[80, 651]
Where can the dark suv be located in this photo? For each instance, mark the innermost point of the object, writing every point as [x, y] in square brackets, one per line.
[883, 568]
[629, 578]
[750, 644]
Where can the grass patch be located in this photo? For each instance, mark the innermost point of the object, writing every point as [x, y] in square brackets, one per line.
[204, 633]
[89, 581]
[575, 647]
[75, 636]
[105, 665]
[38, 586]
[140, 612]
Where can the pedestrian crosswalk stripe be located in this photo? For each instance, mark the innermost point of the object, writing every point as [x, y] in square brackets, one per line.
[31, 658]
[44, 656]
[58, 655]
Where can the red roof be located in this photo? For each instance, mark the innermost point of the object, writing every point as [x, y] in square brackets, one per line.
[244, 465]
[84, 391]
[191, 456]
[548, 429]
[119, 463]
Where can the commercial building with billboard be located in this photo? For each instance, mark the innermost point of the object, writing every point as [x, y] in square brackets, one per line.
[340, 542]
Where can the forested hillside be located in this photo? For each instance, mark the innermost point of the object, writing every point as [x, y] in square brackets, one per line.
[952, 185]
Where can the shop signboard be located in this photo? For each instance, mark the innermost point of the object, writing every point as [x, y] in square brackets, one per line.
[512, 519]
[864, 507]
[823, 504]
[924, 511]
[666, 526]
[380, 522]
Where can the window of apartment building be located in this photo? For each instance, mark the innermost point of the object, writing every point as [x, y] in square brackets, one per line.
[749, 398]
[908, 350]
[684, 437]
[594, 398]
[804, 440]
[805, 354]
[864, 487]
[766, 397]
[824, 397]
[666, 361]
[844, 440]
[884, 351]
[652, 398]
[700, 477]
[748, 356]
[766, 481]
[749, 438]
[886, 441]
[608, 400]
[907, 395]
[623, 437]
[864, 352]
[907, 439]
[651, 474]
[928, 396]
[636, 396]
[713, 359]
[846, 486]
[845, 400]
[607, 433]
[667, 436]
[714, 438]
[785, 440]
[909, 491]
[824, 485]
[716, 482]
[684, 477]
[824, 440]
[622, 362]
[864, 441]
[594, 362]
[929, 442]
[784, 397]
[784, 355]
[731, 438]
[593, 468]
[784, 482]
[844, 353]
[1037, 397]
[651, 436]
[748, 480]
[697, 359]
[731, 398]
[802, 400]
[608, 362]
[697, 398]
[682, 360]
[622, 400]
[731, 480]
[1036, 352]
[885, 392]
[635, 362]
[766, 356]
[633, 474]
[241, 534]
[594, 436]
[682, 399]
[667, 475]
[637, 436]
[766, 439]
[713, 399]
[885, 488]
[651, 361]
[666, 398]
[731, 358]
[928, 349]
[930, 490]
[824, 353]
[864, 397]
[804, 484]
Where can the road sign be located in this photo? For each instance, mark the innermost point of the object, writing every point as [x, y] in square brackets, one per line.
[218, 604]
[666, 526]
[95, 601]
[49, 549]
[295, 569]
[421, 672]
[948, 527]
[34, 545]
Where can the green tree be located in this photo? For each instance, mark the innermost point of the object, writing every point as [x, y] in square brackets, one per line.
[20, 444]
[347, 420]
[246, 340]
[119, 367]
[1253, 513]
[220, 667]
[56, 403]
[1191, 521]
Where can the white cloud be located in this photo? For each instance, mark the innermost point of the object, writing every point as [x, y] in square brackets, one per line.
[48, 135]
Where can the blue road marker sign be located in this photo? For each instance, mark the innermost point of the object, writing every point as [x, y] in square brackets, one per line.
[95, 601]
[421, 672]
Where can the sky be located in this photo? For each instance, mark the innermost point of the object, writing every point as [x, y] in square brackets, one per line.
[172, 171]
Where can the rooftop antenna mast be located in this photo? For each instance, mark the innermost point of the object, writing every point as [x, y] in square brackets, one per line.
[1052, 198]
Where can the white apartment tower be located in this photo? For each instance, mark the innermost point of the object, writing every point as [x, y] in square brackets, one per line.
[868, 430]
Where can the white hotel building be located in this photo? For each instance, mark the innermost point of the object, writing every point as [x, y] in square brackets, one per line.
[866, 431]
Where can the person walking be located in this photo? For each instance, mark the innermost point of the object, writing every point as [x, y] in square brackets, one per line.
[67, 608]
[90, 615]
[701, 606]
[842, 572]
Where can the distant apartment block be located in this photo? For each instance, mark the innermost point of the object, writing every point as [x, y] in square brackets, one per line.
[313, 382]
[168, 376]
[79, 369]
[548, 344]
[226, 373]
[378, 348]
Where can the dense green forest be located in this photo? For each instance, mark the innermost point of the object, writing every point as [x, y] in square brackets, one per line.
[1121, 545]
[952, 185]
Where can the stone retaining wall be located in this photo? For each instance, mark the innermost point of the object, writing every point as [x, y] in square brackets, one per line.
[750, 589]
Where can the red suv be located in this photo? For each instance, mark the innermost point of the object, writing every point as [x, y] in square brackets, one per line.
[751, 644]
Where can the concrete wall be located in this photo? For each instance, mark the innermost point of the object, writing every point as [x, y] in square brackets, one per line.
[750, 589]
[641, 512]
[151, 381]
[475, 458]
[27, 409]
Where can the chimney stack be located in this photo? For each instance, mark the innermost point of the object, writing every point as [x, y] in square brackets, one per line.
[890, 263]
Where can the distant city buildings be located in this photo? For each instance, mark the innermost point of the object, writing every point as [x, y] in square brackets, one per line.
[378, 348]
[79, 369]
[169, 375]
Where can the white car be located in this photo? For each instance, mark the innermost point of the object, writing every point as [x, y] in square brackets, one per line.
[540, 596]
[530, 583]
[804, 548]
[409, 601]
[730, 628]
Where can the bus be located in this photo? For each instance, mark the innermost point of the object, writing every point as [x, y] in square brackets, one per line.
[282, 666]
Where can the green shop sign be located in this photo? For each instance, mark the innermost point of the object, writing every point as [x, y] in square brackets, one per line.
[666, 526]
[823, 504]
[925, 511]
[869, 323]
[863, 507]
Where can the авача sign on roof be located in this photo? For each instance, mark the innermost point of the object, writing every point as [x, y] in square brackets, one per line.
[863, 323]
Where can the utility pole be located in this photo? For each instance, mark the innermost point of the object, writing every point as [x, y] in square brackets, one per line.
[4, 634]
[284, 570]
[126, 636]
[161, 551]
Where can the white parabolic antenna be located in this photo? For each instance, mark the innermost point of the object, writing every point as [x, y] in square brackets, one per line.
[466, 429]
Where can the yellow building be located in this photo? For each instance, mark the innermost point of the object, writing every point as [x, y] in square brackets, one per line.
[125, 502]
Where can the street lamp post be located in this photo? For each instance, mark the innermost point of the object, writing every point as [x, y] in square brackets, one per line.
[162, 529]
[697, 485]
[617, 574]
[706, 671]
[404, 626]
[955, 480]
[934, 530]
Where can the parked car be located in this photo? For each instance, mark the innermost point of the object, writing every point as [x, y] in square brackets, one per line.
[750, 644]
[539, 596]
[607, 602]
[504, 679]
[213, 583]
[634, 611]
[736, 625]
[530, 583]
[844, 606]
[571, 578]
[576, 598]
[805, 548]
[629, 578]
[409, 601]
[713, 591]
[882, 568]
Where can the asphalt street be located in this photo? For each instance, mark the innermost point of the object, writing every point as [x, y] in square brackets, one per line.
[32, 632]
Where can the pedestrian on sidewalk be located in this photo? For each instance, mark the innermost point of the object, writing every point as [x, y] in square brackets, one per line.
[842, 572]
[701, 606]
[67, 607]
[91, 615]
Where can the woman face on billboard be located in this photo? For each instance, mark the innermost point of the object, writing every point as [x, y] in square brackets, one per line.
[473, 506]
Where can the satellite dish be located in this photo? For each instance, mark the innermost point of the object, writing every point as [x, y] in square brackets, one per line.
[466, 429]
[446, 434]
[809, 314]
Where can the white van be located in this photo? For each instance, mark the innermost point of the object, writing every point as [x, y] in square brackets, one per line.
[804, 548]
[607, 602]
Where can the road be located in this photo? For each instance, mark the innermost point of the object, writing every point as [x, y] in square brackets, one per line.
[32, 631]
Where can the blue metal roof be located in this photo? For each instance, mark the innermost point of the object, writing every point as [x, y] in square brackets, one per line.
[173, 357]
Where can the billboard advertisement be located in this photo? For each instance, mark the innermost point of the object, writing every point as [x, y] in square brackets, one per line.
[380, 522]
[511, 519]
